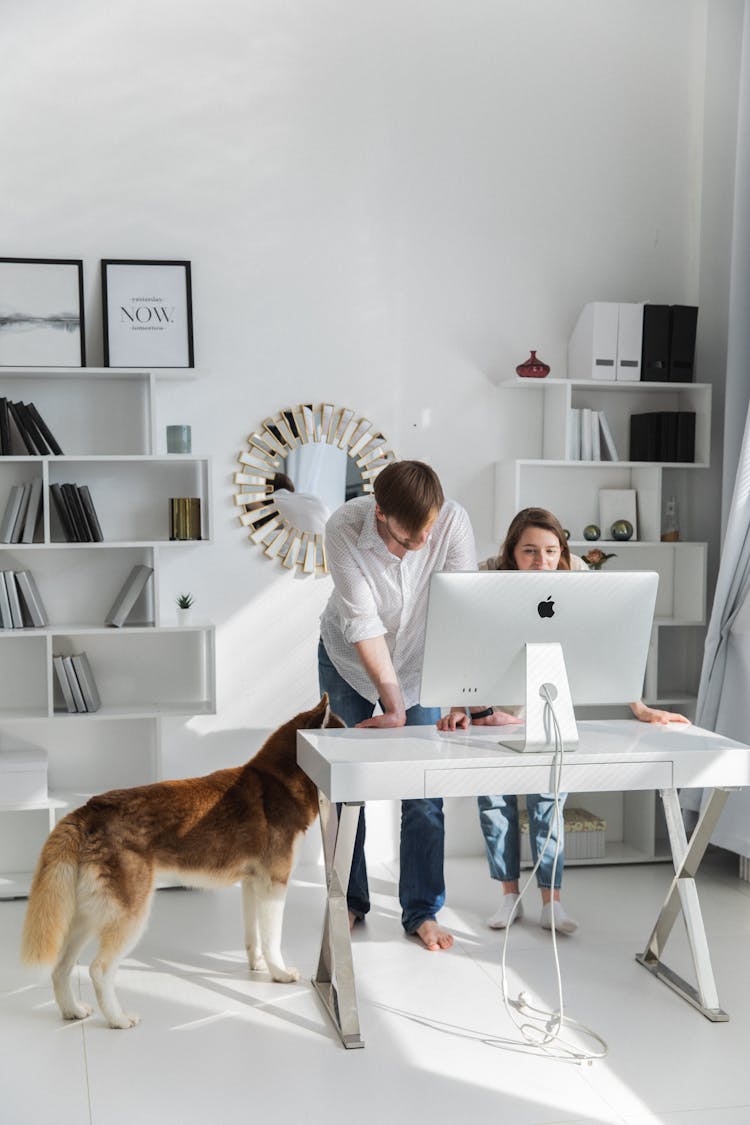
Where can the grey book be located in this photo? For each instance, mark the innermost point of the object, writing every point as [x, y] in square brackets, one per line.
[128, 595]
[75, 687]
[86, 681]
[15, 604]
[62, 679]
[33, 511]
[17, 532]
[31, 598]
[11, 512]
[6, 620]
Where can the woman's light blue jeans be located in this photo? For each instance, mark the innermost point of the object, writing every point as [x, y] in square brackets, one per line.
[421, 887]
[498, 817]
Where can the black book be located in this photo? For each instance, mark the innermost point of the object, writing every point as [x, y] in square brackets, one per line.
[77, 514]
[684, 321]
[44, 429]
[686, 436]
[32, 429]
[56, 492]
[17, 423]
[655, 349]
[644, 437]
[667, 436]
[5, 448]
[91, 517]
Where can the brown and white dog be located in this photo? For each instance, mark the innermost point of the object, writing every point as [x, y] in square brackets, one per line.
[95, 876]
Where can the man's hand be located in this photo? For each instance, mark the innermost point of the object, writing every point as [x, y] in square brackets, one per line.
[457, 719]
[648, 714]
[388, 719]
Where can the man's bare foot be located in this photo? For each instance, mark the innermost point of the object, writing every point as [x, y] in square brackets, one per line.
[433, 936]
[353, 919]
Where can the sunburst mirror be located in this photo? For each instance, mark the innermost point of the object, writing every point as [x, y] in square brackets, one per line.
[299, 466]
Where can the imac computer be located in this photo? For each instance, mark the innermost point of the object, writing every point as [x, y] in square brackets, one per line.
[495, 637]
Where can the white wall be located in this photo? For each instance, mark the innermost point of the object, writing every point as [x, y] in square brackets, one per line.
[386, 203]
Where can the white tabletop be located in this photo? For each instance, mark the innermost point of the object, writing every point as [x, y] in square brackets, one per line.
[372, 764]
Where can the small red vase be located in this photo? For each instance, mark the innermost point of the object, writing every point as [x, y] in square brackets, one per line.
[533, 368]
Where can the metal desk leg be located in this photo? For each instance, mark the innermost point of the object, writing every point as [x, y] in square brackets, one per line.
[334, 979]
[683, 899]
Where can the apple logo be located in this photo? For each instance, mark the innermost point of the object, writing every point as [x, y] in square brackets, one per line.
[546, 609]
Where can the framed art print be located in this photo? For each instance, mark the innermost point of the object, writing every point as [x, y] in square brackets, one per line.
[41, 312]
[147, 312]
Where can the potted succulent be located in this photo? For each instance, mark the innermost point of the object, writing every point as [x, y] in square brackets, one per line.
[596, 559]
[185, 604]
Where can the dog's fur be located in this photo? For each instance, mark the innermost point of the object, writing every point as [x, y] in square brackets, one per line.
[96, 873]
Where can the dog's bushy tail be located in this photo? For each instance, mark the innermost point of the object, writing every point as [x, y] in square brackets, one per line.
[52, 899]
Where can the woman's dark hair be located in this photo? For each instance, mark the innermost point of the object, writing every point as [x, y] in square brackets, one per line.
[532, 517]
[409, 492]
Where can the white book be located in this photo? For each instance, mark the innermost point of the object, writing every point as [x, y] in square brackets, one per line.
[6, 619]
[86, 681]
[128, 595]
[32, 599]
[17, 532]
[75, 687]
[33, 511]
[574, 434]
[11, 511]
[609, 442]
[15, 605]
[62, 679]
[596, 449]
[585, 433]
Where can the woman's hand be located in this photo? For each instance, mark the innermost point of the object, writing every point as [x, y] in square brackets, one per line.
[457, 719]
[647, 714]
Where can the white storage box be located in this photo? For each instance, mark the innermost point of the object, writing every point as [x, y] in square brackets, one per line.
[23, 776]
[584, 835]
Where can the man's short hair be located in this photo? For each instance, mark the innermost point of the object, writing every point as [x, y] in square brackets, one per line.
[409, 492]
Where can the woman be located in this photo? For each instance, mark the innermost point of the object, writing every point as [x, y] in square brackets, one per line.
[535, 541]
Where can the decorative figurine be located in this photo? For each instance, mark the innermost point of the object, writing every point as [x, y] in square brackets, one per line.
[622, 530]
[533, 368]
[596, 559]
[591, 532]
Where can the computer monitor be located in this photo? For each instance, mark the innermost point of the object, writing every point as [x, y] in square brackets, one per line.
[493, 637]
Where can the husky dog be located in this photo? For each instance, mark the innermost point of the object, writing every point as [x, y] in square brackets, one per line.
[95, 876]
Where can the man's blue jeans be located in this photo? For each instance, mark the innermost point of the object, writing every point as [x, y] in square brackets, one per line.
[498, 817]
[421, 887]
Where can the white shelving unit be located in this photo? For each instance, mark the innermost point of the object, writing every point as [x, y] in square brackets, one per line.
[105, 421]
[545, 477]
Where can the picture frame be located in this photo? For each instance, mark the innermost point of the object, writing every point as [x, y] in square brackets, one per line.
[147, 313]
[41, 312]
[617, 504]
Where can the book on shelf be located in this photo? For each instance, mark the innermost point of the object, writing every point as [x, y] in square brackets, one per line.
[15, 604]
[75, 687]
[6, 619]
[33, 511]
[596, 445]
[86, 681]
[92, 519]
[132, 587]
[17, 532]
[655, 346]
[10, 514]
[663, 435]
[5, 443]
[76, 513]
[609, 442]
[61, 508]
[31, 598]
[31, 428]
[41, 425]
[574, 434]
[64, 684]
[683, 324]
[586, 448]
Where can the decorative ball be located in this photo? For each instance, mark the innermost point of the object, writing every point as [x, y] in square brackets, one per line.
[566, 533]
[591, 532]
[622, 530]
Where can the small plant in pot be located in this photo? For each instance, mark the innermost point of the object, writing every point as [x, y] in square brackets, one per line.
[185, 604]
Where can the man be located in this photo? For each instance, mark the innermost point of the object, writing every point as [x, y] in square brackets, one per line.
[381, 553]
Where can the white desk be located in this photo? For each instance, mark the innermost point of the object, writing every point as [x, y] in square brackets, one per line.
[353, 766]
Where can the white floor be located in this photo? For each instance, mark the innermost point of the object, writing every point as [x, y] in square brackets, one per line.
[220, 1045]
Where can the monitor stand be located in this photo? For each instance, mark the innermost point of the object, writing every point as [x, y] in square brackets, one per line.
[545, 664]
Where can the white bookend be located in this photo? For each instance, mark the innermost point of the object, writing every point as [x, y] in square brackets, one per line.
[33, 511]
[31, 597]
[11, 511]
[585, 434]
[86, 681]
[128, 595]
[6, 619]
[596, 447]
[75, 687]
[609, 442]
[62, 679]
[18, 525]
[574, 434]
[15, 604]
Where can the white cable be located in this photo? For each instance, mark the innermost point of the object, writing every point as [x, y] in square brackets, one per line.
[552, 1023]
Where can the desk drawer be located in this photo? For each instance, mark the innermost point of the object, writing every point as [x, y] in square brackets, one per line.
[577, 777]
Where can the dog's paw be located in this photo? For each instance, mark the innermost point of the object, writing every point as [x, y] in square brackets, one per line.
[77, 1012]
[256, 961]
[124, 1020]
[284, 976]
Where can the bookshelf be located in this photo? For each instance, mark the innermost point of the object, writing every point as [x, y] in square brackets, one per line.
[105, 420]
[544, 475]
